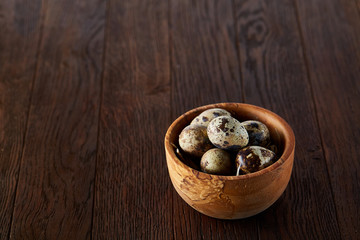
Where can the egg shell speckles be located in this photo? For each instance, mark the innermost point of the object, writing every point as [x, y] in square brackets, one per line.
[217, 161]
[193, 139]
[227, 133]
[259, 134]
[205, 117]
[252, 159]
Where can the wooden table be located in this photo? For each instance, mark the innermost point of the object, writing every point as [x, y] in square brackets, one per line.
[88, 89]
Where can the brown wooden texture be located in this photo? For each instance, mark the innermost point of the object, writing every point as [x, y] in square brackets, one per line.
[19, 38]
[54, 197]
[133, 195]
[232, 197]
[275, 77]
[89, 88]
[204, 69]
[331, 35]
[203, 54]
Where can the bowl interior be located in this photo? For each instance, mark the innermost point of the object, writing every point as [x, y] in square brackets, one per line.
[281, 133]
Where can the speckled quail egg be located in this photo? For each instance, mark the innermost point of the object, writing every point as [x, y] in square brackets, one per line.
[205, 117]
[194, 140]
[227, 133]
[259, 134]
[252, 159]
[217, 161]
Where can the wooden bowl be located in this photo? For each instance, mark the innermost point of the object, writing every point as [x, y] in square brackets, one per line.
[232, 197]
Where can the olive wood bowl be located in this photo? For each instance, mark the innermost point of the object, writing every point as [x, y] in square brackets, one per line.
[232, 197]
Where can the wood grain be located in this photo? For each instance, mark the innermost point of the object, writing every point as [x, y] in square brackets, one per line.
[204, 70]
[89, 88]
[54, 198]
[133, 193]
[203, 54]
[275, 77]
[232, 197]
[20, 23]
[331, 34]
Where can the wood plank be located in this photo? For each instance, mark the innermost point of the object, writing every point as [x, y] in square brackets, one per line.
[19, 36]
[331, 33]
[204, 70]
[54, 198]
[133, 196]
[204, 60]
[275, 77]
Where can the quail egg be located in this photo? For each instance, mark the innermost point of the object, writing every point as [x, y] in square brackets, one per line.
[227, 133]
[217, 161]
[193, 140]
[259, 134]
[252, 159]
[205, 117]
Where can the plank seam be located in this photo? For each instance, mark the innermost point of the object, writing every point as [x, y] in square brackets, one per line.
[238, 50]
[304, 53]
[100, 111]
[170, 37]
[39, 44]
[238, 55]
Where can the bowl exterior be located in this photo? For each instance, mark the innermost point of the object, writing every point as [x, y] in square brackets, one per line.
[218, 197]
[232, 197]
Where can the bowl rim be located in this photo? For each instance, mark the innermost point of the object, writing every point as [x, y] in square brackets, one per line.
[289, 145]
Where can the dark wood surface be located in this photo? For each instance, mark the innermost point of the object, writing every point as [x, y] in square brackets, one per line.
[88, 89]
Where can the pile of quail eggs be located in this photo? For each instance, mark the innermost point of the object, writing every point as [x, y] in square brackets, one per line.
[225, 145]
